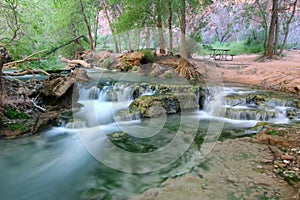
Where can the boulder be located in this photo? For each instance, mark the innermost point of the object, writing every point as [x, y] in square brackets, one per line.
[57, 87]
[157, 105]
[158, 70]
[44, 120]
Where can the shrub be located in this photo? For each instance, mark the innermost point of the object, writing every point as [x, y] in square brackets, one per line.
[240, 47]
[13, 114]
[13, 127]
[148, 55]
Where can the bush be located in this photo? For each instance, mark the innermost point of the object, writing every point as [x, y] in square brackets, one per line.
[241, 47]
[148, 55]
[13, 114]
[13, 127]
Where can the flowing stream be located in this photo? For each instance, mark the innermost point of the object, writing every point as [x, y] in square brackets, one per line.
[62, 162]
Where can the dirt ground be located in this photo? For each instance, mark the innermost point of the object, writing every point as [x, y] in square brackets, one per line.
[281, 74]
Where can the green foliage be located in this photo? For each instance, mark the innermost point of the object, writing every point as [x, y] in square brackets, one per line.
[272, 132]
[44, 25]
[240, 47]
[13, 127]
[13, 114]
[168, 76]
[148, 55]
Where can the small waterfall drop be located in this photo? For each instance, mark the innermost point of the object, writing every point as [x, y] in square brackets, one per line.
[244, 105]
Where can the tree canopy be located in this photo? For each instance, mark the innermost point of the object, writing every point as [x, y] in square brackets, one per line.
[64, 26]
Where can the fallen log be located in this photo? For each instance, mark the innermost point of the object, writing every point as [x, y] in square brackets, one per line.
[27, 59]
[28, 71]
[72, 63]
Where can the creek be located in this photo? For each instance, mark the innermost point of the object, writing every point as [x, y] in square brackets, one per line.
[104, 154]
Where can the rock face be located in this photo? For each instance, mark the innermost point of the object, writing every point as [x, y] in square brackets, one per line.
[155, 106]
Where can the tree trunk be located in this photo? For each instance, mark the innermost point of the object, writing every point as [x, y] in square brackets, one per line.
[288, 27]
[182, 21]
[111, 27]
[88, 27]
[138, 40]
[128, 41]
[2, 92]
[264, 24]
[2, 61]
[148, 39]
[119, 46]
[159, 29]
[276, 36]
[96, 25]
[270, 44]
[170, 27]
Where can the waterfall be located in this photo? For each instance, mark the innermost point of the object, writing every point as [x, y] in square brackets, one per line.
[240, 106]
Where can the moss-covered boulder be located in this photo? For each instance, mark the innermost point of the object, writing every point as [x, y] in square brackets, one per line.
[154, 106]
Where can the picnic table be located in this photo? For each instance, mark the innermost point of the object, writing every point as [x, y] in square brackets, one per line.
[220, 54]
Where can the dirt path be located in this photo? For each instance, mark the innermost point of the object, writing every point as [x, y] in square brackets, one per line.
[282, 74]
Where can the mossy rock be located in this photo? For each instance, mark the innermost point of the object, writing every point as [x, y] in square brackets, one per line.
[156, 105]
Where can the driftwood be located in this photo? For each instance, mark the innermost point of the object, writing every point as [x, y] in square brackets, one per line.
[72, 63]
[38, 107]
[28, 71]
[27, 59]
